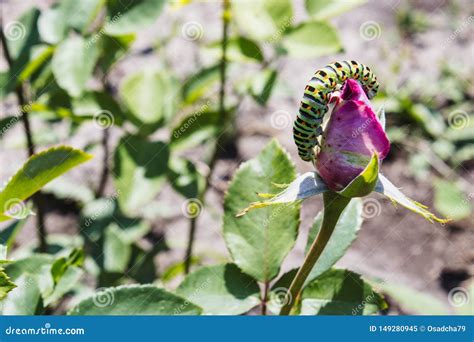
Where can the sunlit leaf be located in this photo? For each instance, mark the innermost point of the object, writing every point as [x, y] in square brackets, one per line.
[37, 172]
[140, 170]
[450, 201]
[340, 292]
[260, 240]
[220, 290]
[300, 41]
[73, 63]
[135, 300]
[130, 16]
[321, 9]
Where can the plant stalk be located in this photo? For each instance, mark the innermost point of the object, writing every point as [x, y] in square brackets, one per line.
[223, 119]
[334, 204]
[20, 94]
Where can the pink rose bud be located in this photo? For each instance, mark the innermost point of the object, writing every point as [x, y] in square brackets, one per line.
[352, 135]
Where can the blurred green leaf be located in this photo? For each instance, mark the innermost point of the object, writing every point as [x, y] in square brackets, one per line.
[6, 285]
[239, 49]
[263, 19]
[39, 170]
[60, 265]
[262, 86]
[419, 166]
[340, 292]
[6, 123]
[140, 170]
[117, 251]
[185, 178]
[113, 48]
[220, 290]
[432, 123]
[195, 128]
[301, 42]
[322, 9]
[24, 299]
[135, 300]
[450, 201]
[73, 64]
[151, 97]
[198, 84]
[411, 300]
[341, 239]
[260, 240]
[52, 25]
[66, 283]
[9, 233]
[130, 16]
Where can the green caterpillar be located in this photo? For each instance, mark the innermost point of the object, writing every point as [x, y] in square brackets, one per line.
[314, 105]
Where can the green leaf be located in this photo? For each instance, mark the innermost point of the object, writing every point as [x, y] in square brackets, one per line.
[22, 35]
[6, 285]
[117, 250]
[195, 128]
[24, 299]
[39, 170]
[130, 16]
[73, 64]
[364, 183]
[69, 279]
[263, 19]
[262, 86]
[60, 266]
[40, 55]
[411, 300]
[151, 97]
[239, 49]
[259, 241]
[135, 300]
[322, 9]
[341, 239]
[450, 201]
[185, 178]
[220, 290]
[340, 292]
[307, 185]
[386, 188]
[198, 84]
[312, 39]
[9, 233]
[140, 170]
[51, 25]
[113, 48]
[7, 123]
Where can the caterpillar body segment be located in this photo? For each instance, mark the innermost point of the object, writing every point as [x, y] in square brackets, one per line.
[314, 105]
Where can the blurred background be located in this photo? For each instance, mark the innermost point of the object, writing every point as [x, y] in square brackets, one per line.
[140, 87]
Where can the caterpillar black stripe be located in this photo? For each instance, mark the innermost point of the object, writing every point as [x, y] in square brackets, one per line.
[314, 105]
